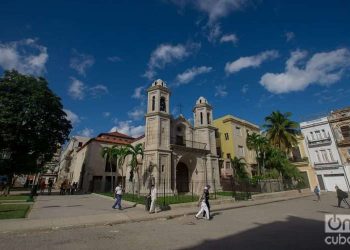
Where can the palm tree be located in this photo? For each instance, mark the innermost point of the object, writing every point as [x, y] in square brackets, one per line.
[238, 166]
[108, 154]
[258, 143]
[134, 152]
[281, 131]
[120, 155]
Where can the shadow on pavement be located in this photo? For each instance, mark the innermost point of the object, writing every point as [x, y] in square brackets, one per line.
[295, 233]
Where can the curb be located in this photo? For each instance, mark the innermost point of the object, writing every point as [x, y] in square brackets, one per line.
[151, 218]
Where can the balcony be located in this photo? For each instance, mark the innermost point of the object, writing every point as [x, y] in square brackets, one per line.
[179, 141]
[321, 141]
[333, 164]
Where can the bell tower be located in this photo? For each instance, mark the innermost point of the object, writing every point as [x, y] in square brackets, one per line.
[157, 154]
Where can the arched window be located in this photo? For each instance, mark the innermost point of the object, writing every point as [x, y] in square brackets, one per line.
[208, 118]
[201, 118]
[345, 131]
[162, 104]
[153, 103]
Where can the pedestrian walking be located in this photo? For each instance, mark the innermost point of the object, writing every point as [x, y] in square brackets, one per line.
[153, 199]
[206, 195]
[203, 207]
[118, 197]
[341, 195]
[317, 192]
[49, 186]
[42, 186]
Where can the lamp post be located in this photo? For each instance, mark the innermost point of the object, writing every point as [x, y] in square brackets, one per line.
[35, 185]
[5, 155]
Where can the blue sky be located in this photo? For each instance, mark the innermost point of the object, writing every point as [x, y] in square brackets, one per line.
[248, 58]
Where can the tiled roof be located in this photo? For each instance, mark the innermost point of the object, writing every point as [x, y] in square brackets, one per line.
[116, 134]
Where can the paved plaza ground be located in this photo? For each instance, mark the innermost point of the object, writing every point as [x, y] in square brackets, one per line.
[290, 224]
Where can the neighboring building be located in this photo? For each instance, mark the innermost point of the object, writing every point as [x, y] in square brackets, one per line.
[231, 142]
[340, 124]
[67, 154]
[178, 157]
[323, 154]
[90, 170]
[51, 168]
[298, 157]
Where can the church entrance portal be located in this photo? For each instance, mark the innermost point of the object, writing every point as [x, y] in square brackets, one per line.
[182, 181]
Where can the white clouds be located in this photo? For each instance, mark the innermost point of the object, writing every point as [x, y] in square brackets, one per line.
[86, 132]
[289, 36]
[98, 90]
[229, 38]
[72, 117]
[191, 73]
[221, 91]
[165, 54]
[213, 32]
[126, 127]
[137, 113]
[250, 61]
[139, 93]
[323, 68]
[215, 9]
[81, 62]
[106, 114]
[114, 59]
[26, 56]
[76, 89]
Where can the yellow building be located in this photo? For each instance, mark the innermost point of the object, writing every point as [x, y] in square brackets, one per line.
[231, 142]
[298, 157]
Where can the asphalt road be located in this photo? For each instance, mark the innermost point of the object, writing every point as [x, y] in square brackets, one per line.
[293, 224]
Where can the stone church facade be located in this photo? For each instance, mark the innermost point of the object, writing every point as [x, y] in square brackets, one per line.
[178, 157]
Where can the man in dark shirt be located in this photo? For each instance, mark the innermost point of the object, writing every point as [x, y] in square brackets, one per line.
[341, 195]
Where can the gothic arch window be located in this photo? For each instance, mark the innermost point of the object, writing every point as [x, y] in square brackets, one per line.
[162, 104]
[201, 118]
[345, 131]
[153, 103]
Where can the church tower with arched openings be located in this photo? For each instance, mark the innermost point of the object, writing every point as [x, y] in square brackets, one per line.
[204, 132]
[157, 153]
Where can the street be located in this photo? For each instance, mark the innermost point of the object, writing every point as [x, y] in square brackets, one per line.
[292, 224]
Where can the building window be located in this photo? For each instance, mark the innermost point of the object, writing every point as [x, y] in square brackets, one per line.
[201, 117]
[208, 118]
[345, 131]
[331, 155]
[312, 135]
[238, 131]
[162, 104]
[162, 168]
[324, 155]
[318, 134]
[324, 133]
[240, 150]
[226, 136]
[318, 156]
[153, 103]
[80, 144]
[228, 156]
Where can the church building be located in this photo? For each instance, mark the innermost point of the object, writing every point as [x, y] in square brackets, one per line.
[178, 157]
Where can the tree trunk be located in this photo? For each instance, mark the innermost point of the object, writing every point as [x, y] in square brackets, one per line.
[138, 182]
[112, 188]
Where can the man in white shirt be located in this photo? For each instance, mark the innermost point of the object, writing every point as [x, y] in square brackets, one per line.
[153, 199]
[118, 197]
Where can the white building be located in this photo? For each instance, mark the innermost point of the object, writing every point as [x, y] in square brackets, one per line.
[323, 154]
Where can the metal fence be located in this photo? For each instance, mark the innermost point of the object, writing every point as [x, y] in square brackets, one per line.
[189, 191]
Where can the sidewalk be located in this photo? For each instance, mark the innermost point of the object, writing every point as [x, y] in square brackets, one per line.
[130, 214]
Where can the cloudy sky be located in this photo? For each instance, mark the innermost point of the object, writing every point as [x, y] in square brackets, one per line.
[248, 58]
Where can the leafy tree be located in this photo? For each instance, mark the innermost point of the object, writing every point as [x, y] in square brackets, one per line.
[32, 123]
[238, 165]
[281, 131]
[134, 152]
[109, 154]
